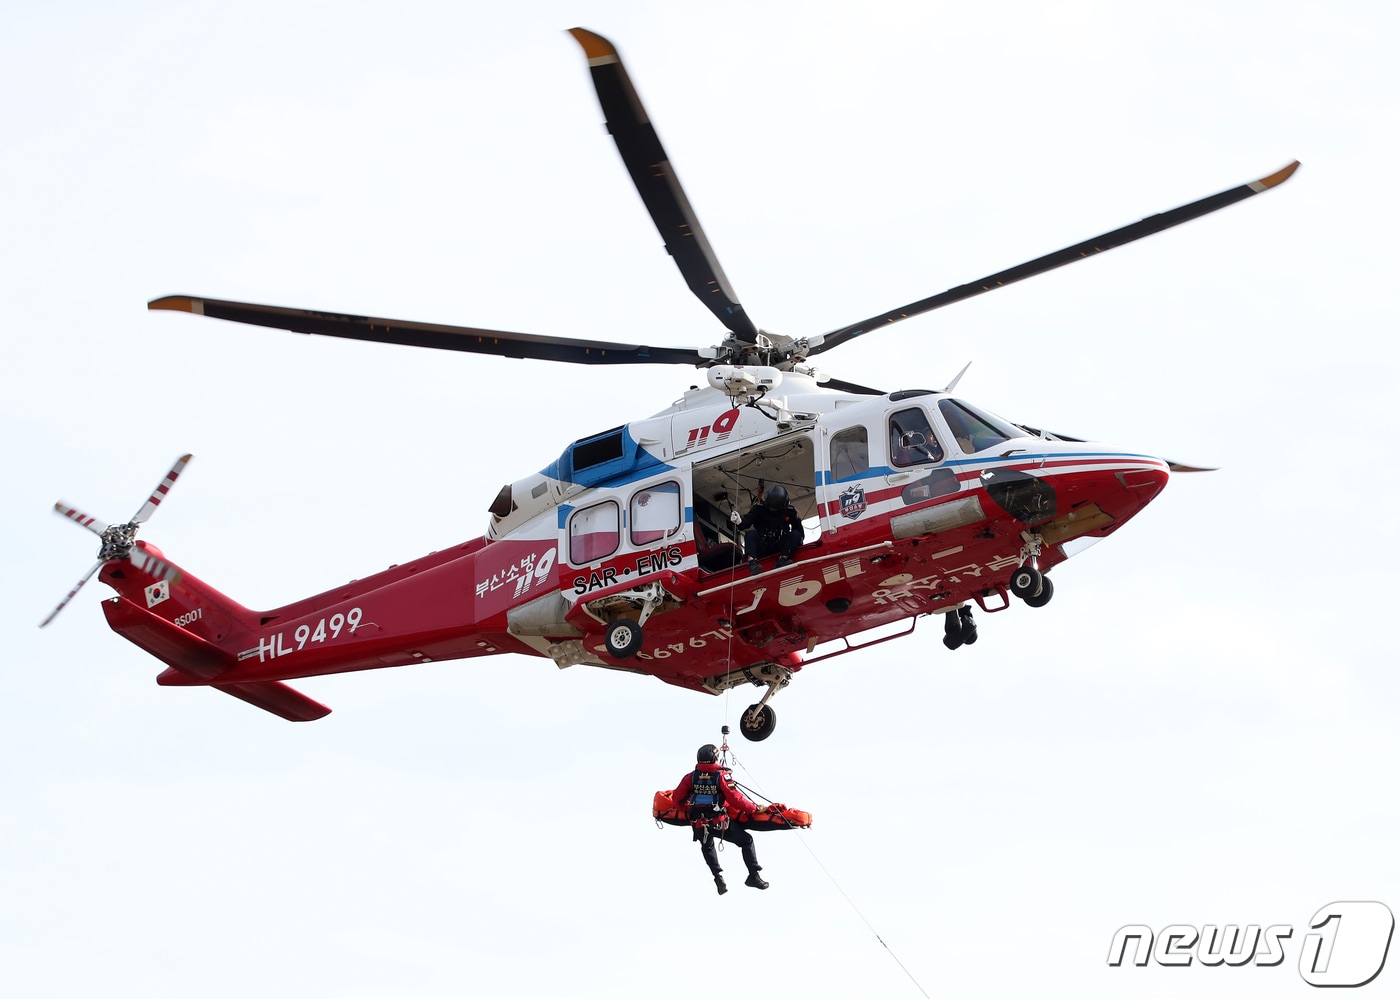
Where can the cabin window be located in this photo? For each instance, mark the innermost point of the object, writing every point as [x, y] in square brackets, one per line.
[850, 454]
[974, 430]
[597, 450]
[912, 441]
[654, 513]
[594, 532]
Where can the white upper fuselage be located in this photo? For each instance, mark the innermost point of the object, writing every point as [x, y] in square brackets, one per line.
[846, 460]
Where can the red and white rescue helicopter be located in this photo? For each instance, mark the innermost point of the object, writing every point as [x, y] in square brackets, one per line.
[622, 553]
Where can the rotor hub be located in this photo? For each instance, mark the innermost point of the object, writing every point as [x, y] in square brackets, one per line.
[117, 541]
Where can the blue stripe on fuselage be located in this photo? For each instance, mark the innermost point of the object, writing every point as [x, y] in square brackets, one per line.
[1024, 456]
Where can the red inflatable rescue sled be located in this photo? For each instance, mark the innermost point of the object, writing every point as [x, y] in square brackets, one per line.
[778, 816]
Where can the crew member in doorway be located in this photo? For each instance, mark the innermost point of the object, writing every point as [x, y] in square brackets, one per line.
[776, 528]
[714, 802]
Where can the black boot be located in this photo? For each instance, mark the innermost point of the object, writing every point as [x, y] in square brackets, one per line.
[952, 630]
[720, 886]
[755, 880]
[969, 626]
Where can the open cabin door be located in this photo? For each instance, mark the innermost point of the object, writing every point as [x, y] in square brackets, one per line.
[738, 479]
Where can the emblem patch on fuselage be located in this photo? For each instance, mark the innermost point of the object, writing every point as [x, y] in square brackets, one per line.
[853, 502]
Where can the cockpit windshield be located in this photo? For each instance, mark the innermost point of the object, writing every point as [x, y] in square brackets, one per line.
[974, 429]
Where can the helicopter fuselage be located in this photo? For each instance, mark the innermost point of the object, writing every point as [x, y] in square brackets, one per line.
[628, 551]
[913, 503]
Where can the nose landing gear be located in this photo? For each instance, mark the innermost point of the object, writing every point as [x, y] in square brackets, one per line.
[1047, 590]
[1028, 582]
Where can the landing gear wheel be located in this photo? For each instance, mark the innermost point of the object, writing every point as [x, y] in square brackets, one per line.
[1026, 582]
[624, 638]
[1047, 590]
[757, 722]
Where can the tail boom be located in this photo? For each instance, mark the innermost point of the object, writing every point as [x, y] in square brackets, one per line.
[412, 613]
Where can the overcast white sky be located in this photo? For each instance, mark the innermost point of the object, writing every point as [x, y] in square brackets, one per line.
[1201, 728]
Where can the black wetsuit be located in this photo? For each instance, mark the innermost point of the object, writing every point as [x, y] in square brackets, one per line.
[740, 837]
[774, 531]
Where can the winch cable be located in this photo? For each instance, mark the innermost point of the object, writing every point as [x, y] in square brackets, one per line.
[726, 754]
[729, 627]
[830, 876]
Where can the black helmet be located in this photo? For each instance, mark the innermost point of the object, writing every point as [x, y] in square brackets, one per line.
[707, 753]
[776, 498]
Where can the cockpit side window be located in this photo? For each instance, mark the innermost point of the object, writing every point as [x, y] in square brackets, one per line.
[974, 430]
[912, 441]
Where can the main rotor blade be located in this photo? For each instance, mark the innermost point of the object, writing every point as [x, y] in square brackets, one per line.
[660, 188]
[1147, 227]
[464, 338]
[149, 507]
[844, 386]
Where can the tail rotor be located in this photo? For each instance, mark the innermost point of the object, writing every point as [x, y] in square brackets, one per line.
[117, 539]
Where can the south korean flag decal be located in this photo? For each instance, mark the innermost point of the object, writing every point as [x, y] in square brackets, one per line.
[158, 593]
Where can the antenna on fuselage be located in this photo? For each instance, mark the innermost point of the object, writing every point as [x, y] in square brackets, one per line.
[958, 377]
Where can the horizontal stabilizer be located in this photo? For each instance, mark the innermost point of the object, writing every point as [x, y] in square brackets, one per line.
[191, 658]
[281, 700]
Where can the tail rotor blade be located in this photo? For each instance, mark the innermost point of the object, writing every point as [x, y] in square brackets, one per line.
[145, 512]
[71, 594]
[81, 519]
